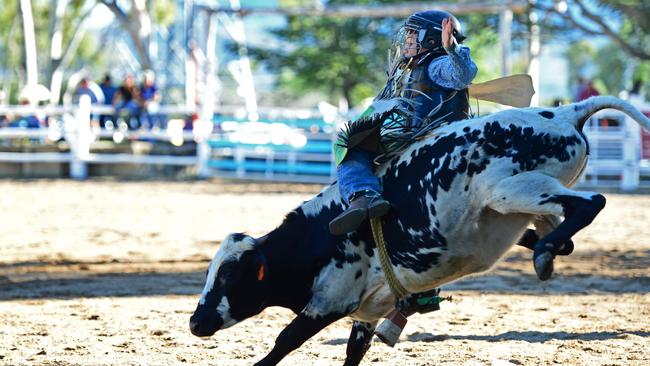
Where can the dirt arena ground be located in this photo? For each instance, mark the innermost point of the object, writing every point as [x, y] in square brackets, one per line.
[108, 273]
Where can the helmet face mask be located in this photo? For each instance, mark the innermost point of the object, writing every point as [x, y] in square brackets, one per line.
[406, 43]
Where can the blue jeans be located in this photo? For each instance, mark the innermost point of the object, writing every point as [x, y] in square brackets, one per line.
[355, 174]
[133, 113]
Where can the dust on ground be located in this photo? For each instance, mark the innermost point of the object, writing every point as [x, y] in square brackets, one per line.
[108, 273]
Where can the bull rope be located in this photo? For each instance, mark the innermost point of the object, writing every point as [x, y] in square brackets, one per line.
[394, 284]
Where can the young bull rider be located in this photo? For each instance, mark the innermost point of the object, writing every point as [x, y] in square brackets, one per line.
[427, 85]
[430, 80]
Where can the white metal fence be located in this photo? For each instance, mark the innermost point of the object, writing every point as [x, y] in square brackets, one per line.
[72, 124]
[283, 153]
[619, 148]
[619, 151]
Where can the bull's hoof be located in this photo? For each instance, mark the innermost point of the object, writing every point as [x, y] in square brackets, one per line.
[566, 249]
[543, 265]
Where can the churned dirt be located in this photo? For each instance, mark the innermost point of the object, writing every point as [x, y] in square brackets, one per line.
[108, 273]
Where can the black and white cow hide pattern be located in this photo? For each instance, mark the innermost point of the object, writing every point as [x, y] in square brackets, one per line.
[462, 197]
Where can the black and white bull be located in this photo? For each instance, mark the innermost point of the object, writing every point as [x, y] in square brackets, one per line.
[462, 198]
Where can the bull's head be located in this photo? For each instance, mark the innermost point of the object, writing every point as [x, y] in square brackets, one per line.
[235, 286]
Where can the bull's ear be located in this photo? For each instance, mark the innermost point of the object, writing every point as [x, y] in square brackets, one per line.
[260, 272]
[252, 264]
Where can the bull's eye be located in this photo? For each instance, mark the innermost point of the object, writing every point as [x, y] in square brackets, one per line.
[225, 273]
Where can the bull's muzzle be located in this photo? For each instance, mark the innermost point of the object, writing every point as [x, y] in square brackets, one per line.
[204, 326]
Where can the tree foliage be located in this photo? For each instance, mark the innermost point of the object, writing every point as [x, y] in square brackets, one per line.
[136, 19]
[69, 23]
[346, 57]
[625, 24]
[10, 36]
[339, 57]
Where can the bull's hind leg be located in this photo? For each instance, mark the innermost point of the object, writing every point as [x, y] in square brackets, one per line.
[296, 333]
[359, 342]
[544, 225]
[539, 194]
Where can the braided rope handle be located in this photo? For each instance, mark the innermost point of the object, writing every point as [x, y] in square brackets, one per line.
[378, 234]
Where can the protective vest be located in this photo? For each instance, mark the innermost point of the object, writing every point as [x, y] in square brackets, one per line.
[427, 96]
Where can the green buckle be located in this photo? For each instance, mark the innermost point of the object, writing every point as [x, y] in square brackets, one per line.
[432, 300]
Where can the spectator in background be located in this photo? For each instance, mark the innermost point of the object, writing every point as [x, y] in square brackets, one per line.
[84, 89]
[29, 120]
[3, 118]
[585, 89]
[150, 100]
[109, 92]
[636, 87]
[580, 85]
[127, 99]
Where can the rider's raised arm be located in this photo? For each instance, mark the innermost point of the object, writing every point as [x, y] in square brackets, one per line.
[456, 70]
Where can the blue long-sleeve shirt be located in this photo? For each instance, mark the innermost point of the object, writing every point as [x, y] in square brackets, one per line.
[456, 70]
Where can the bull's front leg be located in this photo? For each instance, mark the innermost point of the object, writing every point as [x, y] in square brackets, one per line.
[539, 194]
[359, 342]
[295, 334]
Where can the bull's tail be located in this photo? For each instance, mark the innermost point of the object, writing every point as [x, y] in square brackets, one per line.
[588, 107]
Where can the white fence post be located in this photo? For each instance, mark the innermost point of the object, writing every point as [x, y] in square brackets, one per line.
[203, 152]
[202, 130]
[631, 155]
[81, 144]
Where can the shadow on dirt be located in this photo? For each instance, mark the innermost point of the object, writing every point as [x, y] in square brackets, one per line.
[583, 273]
[529, 336]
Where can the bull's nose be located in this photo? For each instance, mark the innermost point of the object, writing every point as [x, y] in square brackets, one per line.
[203, 327]
[194, 327]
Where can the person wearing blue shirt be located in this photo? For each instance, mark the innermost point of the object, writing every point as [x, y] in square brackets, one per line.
[84, 89]
[109, 92]
[430, 81]
[150, 101]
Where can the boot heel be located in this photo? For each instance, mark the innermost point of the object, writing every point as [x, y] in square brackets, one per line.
[347, 222]
[379, 209]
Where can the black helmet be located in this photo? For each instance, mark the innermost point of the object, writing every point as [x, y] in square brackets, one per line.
[428, 24]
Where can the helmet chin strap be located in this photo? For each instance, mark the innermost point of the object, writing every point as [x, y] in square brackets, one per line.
[437, 50]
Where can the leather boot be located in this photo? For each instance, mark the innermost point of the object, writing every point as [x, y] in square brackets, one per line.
[362, 206]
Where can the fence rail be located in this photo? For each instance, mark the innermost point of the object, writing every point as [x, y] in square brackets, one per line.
[218, 153]
[617, 145]
[299, 150]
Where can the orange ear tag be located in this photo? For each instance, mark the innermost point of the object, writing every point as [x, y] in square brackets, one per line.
[260, 273]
